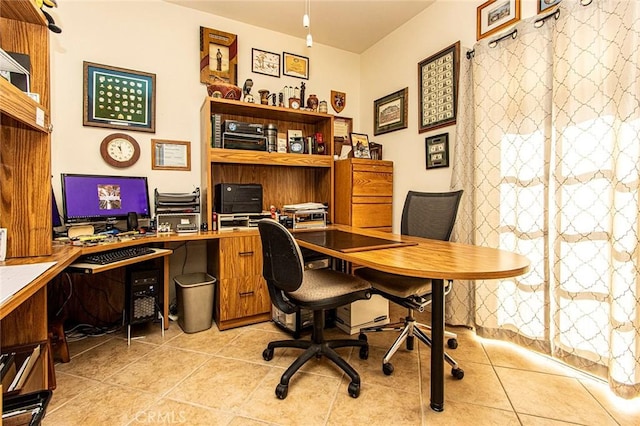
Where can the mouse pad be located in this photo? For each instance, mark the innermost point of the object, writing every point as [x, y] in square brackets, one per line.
[347, 242]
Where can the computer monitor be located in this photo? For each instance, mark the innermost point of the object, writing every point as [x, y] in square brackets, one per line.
[94, 198]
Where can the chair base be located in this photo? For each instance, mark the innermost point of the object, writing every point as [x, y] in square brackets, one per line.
[409, 329]
[318, 347]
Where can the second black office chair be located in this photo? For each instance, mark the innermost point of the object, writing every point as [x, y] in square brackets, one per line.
[427, 215]
[291, 288]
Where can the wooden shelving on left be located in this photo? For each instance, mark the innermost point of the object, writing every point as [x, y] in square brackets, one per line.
[25, 141]
[25, 187]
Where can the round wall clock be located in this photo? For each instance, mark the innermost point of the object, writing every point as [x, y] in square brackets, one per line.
[120, 150]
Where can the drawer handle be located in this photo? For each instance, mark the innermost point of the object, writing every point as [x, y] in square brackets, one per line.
[246, 294]
[246, 253]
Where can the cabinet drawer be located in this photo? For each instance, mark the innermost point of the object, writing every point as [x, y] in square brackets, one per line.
[371, 215]
[242, 297]
[372, 183]
[240, 256]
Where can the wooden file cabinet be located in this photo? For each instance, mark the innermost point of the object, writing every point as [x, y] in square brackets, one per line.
[241, 294]
[364, 193]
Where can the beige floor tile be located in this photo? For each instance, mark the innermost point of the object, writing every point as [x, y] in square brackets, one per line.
[624, 411]
[250, 344]
[220, 383]
[480, 385]
[151, 332]
[405, 377]
[159, 370]
[117, 406]
[461, 414]
[376, 405]
[167, 411]
[527, 420]
[104, 361]
[68, 387]
[208, 341]
[308, 401]
[551, 396]
[244, 421]
[505, 354]
[79, 346]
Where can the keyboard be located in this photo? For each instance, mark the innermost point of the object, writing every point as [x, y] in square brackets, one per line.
[117, 255]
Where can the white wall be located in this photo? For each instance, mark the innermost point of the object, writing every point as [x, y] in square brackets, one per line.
[391, 65]
[161, 38]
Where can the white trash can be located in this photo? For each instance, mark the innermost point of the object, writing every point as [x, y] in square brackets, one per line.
[194, 294]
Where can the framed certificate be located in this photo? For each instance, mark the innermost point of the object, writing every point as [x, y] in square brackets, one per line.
[170, 155]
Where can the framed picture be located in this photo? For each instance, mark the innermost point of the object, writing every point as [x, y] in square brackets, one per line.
[437, 151]
[546, 4]
[218, 56]
[390, 112]
[263, 62]
[118, 98]
[376, 150]
[495, 15]
[360, 145]
[170, 155]
[438, 89]
[295, 65]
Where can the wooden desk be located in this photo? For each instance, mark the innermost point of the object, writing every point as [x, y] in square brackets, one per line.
[23, 317]
[438, 260]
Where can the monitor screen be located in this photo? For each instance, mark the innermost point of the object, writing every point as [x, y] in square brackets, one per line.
[55, 214]
[93, 198]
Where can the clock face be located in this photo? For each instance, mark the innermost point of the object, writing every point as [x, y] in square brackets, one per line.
[297, 146]
[120, 150]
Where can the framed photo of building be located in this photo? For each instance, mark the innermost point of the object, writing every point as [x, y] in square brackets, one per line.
[218, 56]
[438, 89]
[118, 98]
[390, 112]
[495, 15]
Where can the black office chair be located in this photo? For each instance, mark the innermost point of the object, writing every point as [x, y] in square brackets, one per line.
[291, 288]
[427, 215]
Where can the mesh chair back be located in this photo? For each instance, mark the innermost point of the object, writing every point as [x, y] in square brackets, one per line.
[430, 214]
[282, 264]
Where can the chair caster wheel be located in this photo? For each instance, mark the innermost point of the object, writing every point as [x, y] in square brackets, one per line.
[354, 390]
[267, 354]
[387, 369]
[362, 337]
[457, 373]
[452, 343]
[364, 352]
[281, 391]
[410, 340]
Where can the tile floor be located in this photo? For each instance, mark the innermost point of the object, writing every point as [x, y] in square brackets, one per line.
[220, 378]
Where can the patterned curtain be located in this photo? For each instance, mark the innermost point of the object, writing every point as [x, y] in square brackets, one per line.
[556, 177]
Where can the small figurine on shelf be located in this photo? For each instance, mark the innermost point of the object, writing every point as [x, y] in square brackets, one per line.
[302, 92]
[246, 91]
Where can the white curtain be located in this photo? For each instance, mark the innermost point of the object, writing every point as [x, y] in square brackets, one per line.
[555, 155]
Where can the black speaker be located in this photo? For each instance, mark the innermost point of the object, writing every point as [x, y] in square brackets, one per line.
[142, 296]
[132, 221]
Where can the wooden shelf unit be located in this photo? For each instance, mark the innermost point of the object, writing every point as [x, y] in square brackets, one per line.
[241, 294]
[25, 143]
[286, 178]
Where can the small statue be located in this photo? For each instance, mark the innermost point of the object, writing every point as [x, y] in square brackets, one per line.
[302, 90]
[246, 91]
